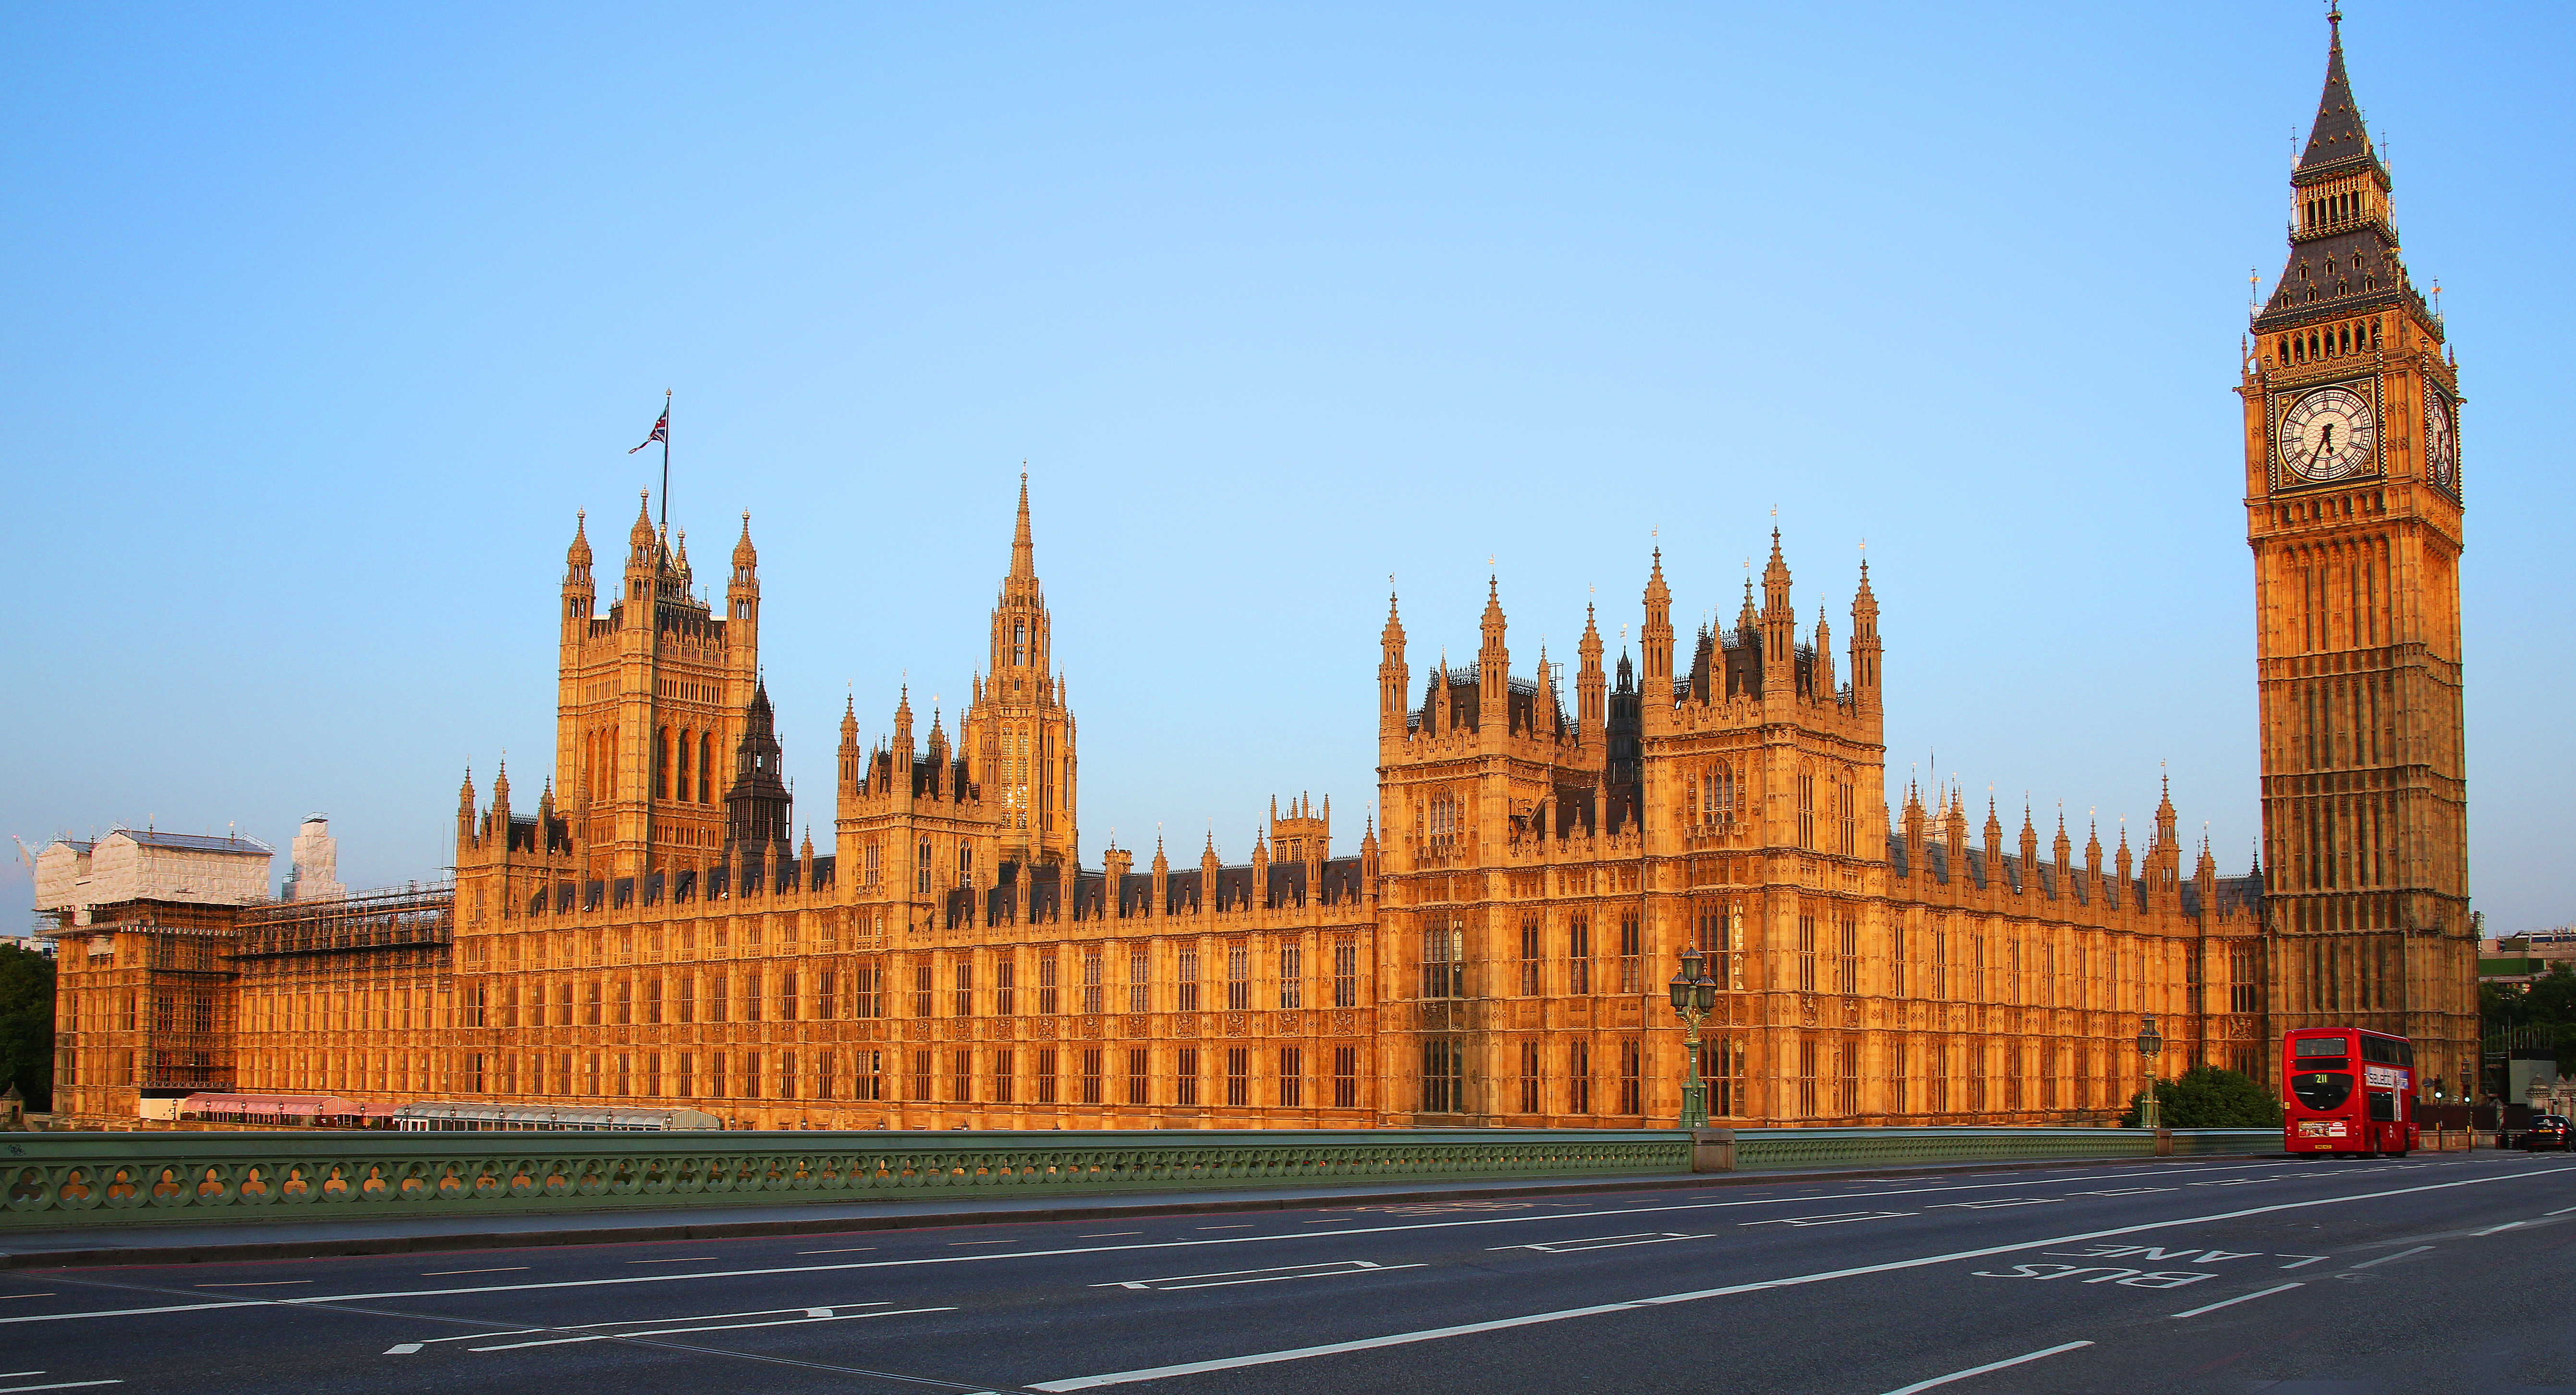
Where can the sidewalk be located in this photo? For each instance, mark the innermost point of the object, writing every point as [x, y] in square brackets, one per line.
[109, 1244]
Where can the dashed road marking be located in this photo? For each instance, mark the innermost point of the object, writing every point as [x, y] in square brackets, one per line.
[1600, 1242]
[1230, 1278]
[2240, 1298]
[1838, 1218]
[1989, 1366]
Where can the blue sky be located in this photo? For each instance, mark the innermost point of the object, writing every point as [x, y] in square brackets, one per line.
[320, 323]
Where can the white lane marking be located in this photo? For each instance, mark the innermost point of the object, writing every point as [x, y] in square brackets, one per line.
[721, 1327]
[2124, 1191]
[2383, 1259]
[1228, 1279]
[169, 1308]
[631, 1322]
[1329, 1220]
[1187, 1244]
[1981, 1370]
[264, 1283]
[2303, 1260]
[402, 1348]
[504, 1269]
[60, 1385]
[2490, 1230]
[1599, 1242]
[1838, 1218]
[2000, 1201]
[1695, 1295]
[2545, 1214]
[2240, 1298]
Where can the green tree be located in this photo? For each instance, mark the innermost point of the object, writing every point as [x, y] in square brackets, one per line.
[27, 1025]
[2207, 1097]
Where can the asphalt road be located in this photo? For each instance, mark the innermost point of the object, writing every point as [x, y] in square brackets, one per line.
[2437, 1274]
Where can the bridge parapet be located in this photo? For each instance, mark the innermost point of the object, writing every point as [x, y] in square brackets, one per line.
[50, 1180]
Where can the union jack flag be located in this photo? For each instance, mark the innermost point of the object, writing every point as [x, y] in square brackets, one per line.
[661, 431]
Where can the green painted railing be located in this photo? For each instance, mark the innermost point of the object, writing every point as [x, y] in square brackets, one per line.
[52, 1180]
[1759, 1150]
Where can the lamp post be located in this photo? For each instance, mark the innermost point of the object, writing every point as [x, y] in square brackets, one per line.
[2150, 1042]
[1694, 996]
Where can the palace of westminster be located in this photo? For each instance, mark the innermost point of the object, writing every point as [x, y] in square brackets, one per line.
[646, 930]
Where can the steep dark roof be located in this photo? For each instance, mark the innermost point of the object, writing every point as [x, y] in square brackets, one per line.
[2337, 139]
[2337, 268]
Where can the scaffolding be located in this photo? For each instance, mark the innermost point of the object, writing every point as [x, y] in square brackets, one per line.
[345, 995]
[418, 918]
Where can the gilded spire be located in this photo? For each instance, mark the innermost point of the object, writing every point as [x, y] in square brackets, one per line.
[1024, 565]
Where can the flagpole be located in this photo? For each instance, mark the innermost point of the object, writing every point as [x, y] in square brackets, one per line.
[654, 754]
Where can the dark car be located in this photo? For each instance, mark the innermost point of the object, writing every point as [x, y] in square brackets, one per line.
[2547, 1131]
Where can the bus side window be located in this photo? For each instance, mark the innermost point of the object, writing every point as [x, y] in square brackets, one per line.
[2383, 1106]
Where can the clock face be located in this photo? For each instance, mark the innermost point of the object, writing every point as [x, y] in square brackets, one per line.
[2327, 434]
[2441, 442]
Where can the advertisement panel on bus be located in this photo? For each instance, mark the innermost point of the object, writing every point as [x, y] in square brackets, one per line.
[2350, 1091]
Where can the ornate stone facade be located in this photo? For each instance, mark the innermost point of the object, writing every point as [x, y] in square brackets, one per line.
[655, 930]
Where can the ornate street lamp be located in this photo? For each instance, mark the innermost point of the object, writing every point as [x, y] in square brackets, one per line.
[1694, 997]
[2150, 1042]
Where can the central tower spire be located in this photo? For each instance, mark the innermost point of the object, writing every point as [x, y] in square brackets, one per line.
[1024, 566]
[1017, 735]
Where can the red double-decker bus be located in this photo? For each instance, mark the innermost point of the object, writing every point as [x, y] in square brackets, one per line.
[2350, 1091]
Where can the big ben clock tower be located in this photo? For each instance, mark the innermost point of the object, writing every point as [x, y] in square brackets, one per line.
[2353, 510]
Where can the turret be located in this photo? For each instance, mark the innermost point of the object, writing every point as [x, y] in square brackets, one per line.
[1915, 824]
[1590, 683]
[1864, 644]
[1779, 625]
[1494, 665]
[742, 592]
[640, 547]
[849, 754]
[2029, 846]
[580, 593]
[465, 815]
[1657, 637]
[1393, 677]
[1824, 677]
